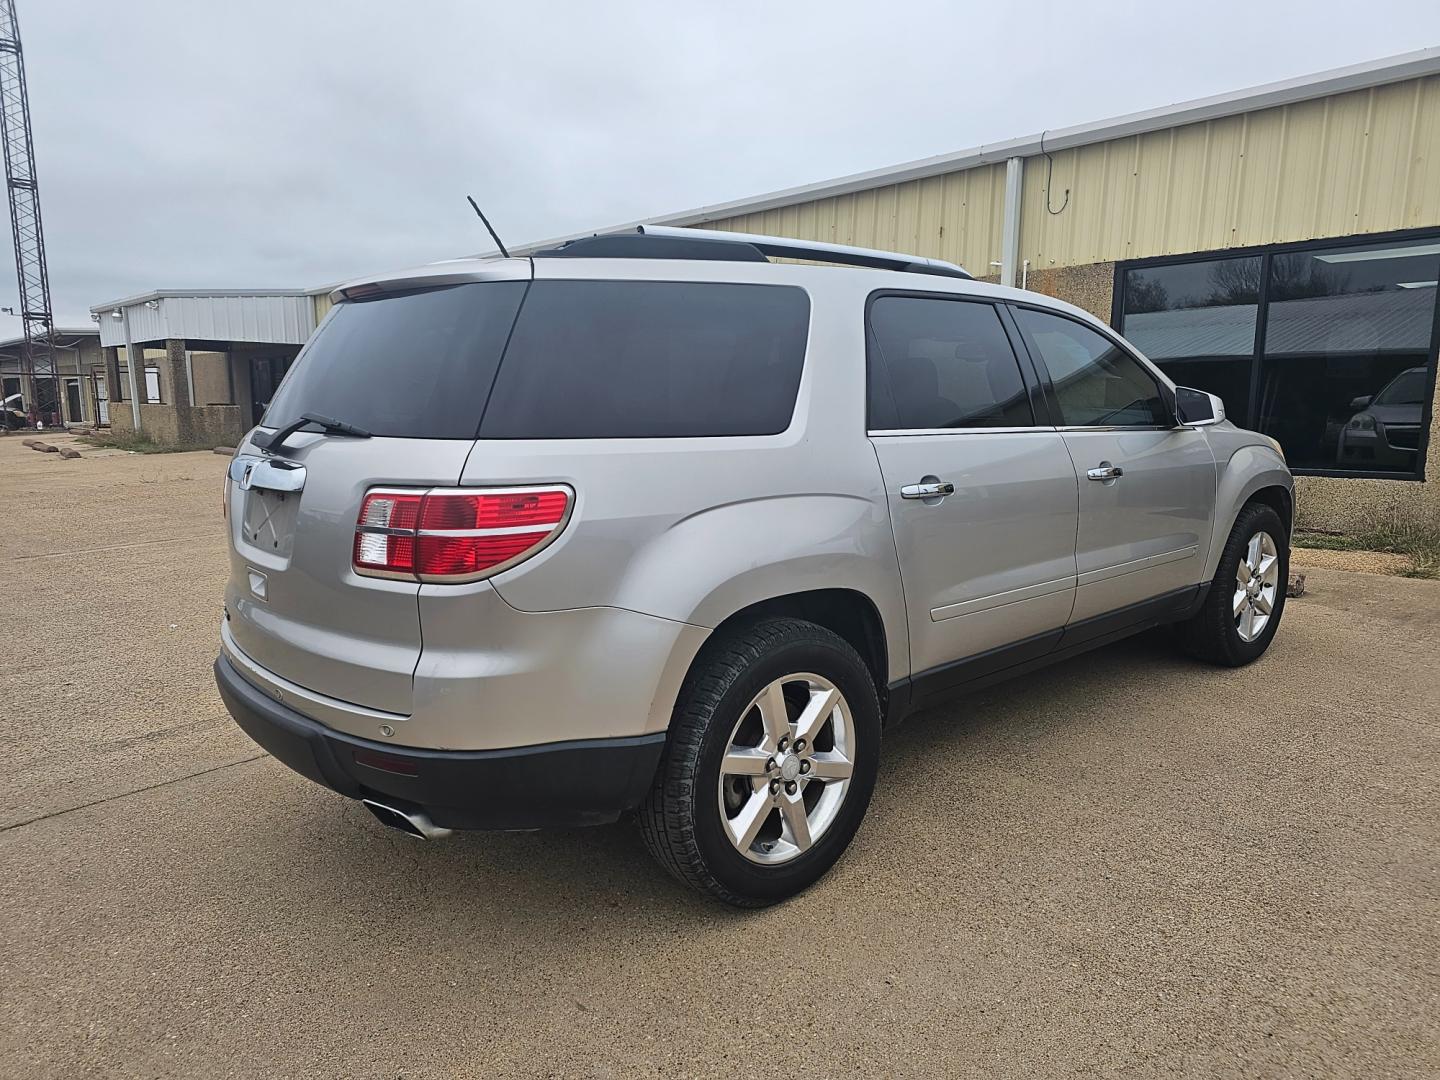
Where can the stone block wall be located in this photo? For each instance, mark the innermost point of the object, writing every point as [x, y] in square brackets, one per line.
[182, 425]
[1091, 287]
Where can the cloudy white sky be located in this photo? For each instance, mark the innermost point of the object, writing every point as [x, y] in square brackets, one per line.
[199, 143]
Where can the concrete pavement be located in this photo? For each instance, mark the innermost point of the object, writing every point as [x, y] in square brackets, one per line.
[1130, 865]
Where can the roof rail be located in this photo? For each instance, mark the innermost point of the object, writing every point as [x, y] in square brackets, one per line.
[784, 247]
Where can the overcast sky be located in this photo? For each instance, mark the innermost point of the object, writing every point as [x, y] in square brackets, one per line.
[205, 143]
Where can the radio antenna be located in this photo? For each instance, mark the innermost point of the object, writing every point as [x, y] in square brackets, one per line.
[488, 227]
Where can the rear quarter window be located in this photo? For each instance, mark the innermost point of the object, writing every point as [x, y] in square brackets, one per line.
[644, 359]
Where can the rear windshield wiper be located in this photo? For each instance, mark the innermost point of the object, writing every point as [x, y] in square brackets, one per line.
[327, 424]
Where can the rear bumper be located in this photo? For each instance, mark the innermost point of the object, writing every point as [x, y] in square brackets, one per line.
[583, 782]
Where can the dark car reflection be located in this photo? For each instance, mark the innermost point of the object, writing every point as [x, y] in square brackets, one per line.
[1384, 433]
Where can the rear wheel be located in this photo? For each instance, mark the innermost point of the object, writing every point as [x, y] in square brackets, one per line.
[770, 764]
[1247, 595]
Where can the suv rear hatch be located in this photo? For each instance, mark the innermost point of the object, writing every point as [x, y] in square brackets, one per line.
[411, 365]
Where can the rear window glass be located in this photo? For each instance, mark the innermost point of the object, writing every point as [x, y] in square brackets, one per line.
[636, 359]
[412, 365]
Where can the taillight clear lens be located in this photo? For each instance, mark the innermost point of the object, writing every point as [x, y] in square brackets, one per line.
[390, 510]
[376, 546]
[455, 535]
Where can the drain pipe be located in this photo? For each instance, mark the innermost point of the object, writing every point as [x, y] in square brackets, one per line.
[124, 314]
[1010, 221]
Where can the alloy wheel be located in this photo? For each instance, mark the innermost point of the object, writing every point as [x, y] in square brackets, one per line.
[1257, 579]
[787, 768]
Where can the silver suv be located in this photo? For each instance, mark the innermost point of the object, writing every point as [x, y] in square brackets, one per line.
[648, 523]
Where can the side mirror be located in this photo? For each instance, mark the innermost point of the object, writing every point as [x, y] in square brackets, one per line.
[1195, 408]
[1360, 402]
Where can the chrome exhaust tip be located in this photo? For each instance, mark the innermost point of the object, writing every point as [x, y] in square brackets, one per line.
[410, 822]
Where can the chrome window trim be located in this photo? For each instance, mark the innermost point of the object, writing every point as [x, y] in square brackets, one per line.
[1121, 427]
[960, 431]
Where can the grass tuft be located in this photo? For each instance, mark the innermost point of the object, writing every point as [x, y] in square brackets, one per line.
[1393, 535]
[140, 445]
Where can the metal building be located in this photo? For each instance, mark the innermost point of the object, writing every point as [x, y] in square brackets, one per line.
[27, 400]
[197, 367]
[1279, 246]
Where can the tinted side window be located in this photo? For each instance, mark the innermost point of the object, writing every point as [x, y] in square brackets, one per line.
[938, 363]
[635, 359]
[416, 365]
[1096, 383]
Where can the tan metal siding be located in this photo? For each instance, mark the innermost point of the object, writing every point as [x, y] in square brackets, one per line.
[955, 217]
[1366, 161]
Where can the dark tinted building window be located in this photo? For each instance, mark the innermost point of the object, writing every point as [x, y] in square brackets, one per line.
[1347, 355]
[633, 359]
[1197, 321]
[937, 363]
[1097, 384]
[413, 365]
[1344, 373]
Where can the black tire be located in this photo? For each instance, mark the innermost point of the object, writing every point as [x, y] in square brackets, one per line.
[1211, 634]
[682, 821]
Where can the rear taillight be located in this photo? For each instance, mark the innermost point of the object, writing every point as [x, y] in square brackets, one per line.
[385, 533]
[447, 535]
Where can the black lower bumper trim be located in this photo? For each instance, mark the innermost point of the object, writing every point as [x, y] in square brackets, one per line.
[586, 782]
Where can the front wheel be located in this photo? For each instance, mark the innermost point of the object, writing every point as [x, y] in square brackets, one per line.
[771, 760]
[1247, 596]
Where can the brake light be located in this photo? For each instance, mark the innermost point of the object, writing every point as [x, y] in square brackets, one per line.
[455, 535]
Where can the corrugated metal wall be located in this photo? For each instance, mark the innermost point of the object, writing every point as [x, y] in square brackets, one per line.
[1366, 161]
[286, 320]
[278, 319]
[954, 217]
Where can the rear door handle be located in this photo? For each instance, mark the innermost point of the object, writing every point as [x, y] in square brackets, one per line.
[1106, 471]
[932, 489]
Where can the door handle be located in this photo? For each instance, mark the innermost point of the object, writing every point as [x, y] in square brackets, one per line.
[1106, 471]
[930, 489]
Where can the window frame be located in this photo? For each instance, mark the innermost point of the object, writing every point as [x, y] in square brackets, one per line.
[1162, 384]
[1266, 253]
[1039, 407]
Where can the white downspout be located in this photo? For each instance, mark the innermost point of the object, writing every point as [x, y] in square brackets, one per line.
[130, 367]
[1010, 222]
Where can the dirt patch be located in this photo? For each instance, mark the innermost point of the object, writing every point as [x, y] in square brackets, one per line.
[1364, 562]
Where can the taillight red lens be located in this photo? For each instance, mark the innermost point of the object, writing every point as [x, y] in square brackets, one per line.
[471, 510]
[455, 536]
[447, 556]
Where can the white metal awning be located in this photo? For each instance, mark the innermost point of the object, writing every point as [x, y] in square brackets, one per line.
[271, 316]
